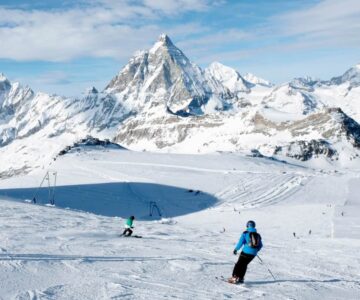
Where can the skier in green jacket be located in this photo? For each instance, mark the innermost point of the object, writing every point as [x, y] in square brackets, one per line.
[129, 226]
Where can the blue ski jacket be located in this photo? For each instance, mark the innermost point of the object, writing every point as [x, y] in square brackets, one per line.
[245, 240]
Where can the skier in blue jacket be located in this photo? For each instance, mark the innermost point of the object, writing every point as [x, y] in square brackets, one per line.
[251, 242]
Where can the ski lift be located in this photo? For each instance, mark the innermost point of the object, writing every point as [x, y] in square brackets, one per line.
[154, 207]
[50, 177]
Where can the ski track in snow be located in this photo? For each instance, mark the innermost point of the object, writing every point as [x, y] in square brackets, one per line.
[265, 189]
[56, 253]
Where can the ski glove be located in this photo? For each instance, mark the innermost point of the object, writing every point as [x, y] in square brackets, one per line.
[235, 252]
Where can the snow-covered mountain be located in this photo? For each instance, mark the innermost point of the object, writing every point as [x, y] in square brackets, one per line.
[295, 98]
[229, 78]
[350, 77]
[34, 127]
[161, 101]
[24, 113]
[164, 78]
[14, 100]
[257, 80]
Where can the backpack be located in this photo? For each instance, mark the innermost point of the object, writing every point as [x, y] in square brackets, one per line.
[255, 239]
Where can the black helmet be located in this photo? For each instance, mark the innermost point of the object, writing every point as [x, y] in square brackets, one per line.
[132, 218]
[250, 224]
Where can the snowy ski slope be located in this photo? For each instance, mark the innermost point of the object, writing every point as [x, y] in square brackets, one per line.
[73, 250]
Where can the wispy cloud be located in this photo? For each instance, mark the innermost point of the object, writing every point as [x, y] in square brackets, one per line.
[219, 38]
[117, 28]
[325, 17]
[106, 28]
[250, 35]
[173, 7]
[324, 25]
[53, 78]
[329, 21]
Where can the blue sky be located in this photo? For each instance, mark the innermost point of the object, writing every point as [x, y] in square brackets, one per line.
[66, 46]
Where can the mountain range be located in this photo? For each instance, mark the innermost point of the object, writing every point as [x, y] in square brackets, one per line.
[161, 101]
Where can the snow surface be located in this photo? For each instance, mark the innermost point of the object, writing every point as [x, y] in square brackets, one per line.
[73, 250]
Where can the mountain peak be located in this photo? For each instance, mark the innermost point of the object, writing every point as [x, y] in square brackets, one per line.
[352, 76]
[91, 90]
[228, 77]
[217, 64]
[222, 72]
[4, 84]
[164, 39]
[163, 42]
[3, 77]
[257, 80]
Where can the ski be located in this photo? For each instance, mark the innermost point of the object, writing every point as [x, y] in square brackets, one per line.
[131, 236]
[222, 278]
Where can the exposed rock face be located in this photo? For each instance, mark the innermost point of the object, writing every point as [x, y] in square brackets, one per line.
[329, 123]
[90, 141]
[305, 150]
[349, 127]
[163, 131]
[165, 78]
[319, 134]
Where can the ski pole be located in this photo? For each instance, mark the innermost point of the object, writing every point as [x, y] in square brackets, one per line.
[261, 261]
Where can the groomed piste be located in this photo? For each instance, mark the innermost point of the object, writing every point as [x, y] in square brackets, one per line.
[308, 219]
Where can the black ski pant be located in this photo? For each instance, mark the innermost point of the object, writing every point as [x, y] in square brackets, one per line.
[127, 232]
[241, 265]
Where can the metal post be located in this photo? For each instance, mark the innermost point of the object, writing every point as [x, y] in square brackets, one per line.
[52, 200]
[49, 188]
[37, 190]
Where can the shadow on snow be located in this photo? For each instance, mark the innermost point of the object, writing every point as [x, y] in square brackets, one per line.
[143, 200]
